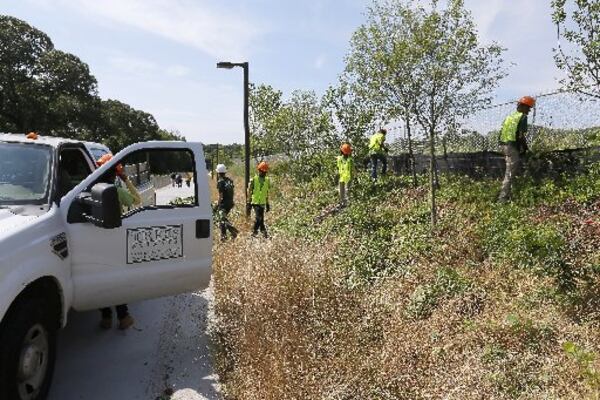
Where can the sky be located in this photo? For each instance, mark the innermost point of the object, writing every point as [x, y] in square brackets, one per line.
[160, 55]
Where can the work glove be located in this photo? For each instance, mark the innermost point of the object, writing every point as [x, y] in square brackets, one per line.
[268, 207]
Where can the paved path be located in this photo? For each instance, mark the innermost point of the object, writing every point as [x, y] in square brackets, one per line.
[166, 351]
[168, 193]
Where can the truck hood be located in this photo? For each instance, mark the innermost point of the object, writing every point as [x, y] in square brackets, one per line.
[11, 220]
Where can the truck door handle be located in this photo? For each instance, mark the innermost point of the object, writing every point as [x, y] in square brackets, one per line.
[202, 229]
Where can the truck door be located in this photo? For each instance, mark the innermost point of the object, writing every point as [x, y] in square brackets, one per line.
[160, 249]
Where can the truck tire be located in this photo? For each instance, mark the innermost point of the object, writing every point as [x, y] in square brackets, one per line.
[27, 350]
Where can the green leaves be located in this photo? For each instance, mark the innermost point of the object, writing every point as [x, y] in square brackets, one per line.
[414, 63]
[42, 88]
[299, 128]
[578, 22]
[585, 360]
[47, 90]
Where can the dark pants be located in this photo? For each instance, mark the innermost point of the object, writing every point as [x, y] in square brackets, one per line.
[225, 225]
[259, 222]
[122, 311]
[375, 157]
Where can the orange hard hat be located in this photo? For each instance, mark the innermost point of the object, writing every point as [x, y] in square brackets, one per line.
[32, 135]
[527, 101]
[346, 149]
[263, 166]
[106, 158]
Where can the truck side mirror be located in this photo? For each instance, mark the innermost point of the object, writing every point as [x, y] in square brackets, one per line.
[103, 208]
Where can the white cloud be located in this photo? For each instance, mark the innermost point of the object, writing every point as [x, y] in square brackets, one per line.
[193, 23]
[178, 71]
[133, 65]
[320, 61]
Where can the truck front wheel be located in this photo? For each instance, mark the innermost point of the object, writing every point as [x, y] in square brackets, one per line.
[27, 350]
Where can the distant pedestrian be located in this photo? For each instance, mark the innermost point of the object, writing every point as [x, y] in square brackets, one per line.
[378, 152]
[225, 188]
[179, 180]
[173, 179]
[258, 193]
[514, 144]
[345, 165]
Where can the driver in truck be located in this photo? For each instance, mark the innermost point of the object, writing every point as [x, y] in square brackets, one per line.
[128, 198]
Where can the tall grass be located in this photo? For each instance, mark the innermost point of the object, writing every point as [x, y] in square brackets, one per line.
[501, 302]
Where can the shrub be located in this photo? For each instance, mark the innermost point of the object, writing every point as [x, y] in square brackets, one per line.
[425, 298]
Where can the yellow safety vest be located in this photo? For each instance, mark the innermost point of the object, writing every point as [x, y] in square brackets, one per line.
[345, 165]
[260, 190]
[376, 143]
[510, 126]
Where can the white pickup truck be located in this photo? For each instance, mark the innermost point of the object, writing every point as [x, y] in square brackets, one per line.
[66, 243]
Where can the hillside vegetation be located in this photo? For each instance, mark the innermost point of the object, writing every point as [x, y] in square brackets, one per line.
[499, 301]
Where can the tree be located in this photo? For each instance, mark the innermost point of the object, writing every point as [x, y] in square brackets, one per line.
[21, 46]
[381, 62]
[265, 103]
[47, 90]
[353, 113]
[306, 128]
[66, 94]
[454, 73]
[299, 129]
[119, 125]
[41, 88]
[578, 22]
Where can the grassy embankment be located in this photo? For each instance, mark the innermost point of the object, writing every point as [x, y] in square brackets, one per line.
[499, 302]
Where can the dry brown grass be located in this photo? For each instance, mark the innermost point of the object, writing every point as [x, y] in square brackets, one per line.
[288, 327]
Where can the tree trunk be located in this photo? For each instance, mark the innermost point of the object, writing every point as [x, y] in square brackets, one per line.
[437, 175]
[411, 155]
[432, 177]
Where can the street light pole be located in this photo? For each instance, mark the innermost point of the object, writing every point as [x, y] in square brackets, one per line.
[246, 135]
[244, 65]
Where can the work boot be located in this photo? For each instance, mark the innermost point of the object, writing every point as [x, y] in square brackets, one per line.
[126, 322]
[106, 323]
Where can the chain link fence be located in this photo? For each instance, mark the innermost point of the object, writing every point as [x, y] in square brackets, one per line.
[564, 127]
[561, 120]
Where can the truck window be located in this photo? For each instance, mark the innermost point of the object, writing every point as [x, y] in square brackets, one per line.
[162, 177]
[73, 167]
[24, 173]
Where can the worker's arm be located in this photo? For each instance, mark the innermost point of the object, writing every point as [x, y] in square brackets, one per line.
[136, 200]
[268, 182]
[220, 190]
[383, 145]
[521, 131]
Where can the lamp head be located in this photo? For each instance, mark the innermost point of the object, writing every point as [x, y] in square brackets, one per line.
[225, 64]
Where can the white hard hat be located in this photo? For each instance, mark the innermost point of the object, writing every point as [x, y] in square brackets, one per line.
[221, 169]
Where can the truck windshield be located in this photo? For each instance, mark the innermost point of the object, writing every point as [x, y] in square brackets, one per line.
[24, 173]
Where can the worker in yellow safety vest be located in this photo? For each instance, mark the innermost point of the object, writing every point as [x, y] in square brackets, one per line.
[378, 152]
[258, 193]
[513, 143]
[345, 165]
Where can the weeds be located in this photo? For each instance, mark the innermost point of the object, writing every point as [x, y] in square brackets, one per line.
[371, 304]
[586, 361]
